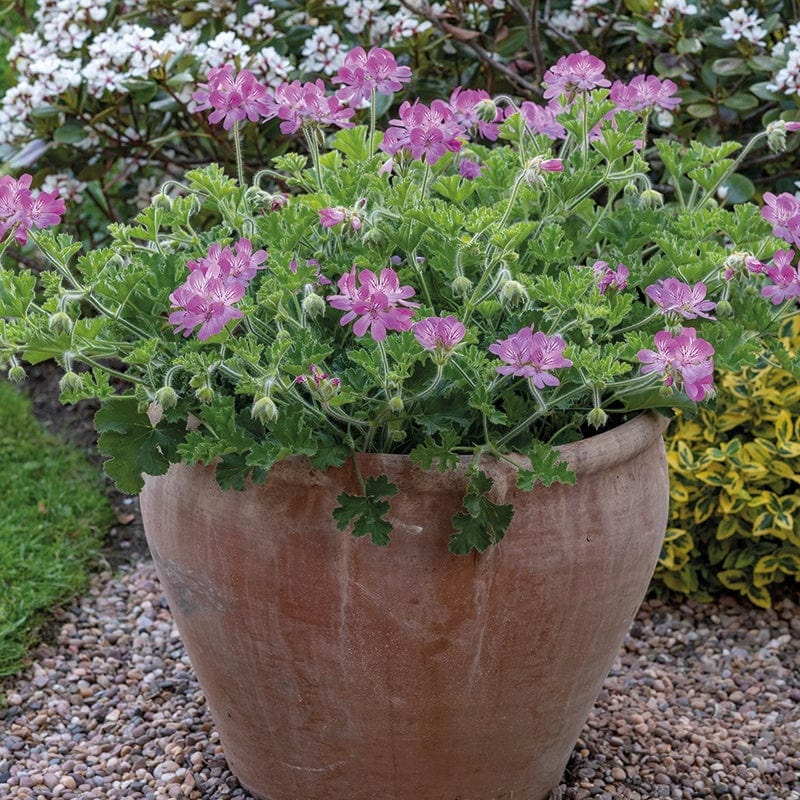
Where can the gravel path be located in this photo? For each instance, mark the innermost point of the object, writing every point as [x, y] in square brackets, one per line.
[703, 702]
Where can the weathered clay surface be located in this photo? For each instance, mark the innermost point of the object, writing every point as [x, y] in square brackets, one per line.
[337, 670]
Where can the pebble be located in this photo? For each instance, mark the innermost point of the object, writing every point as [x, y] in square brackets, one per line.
[701, 702]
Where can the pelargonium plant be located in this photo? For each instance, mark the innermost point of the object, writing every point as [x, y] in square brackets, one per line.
[483, 278]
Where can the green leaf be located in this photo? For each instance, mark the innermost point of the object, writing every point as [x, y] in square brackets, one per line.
[232, 471]
[16, 292]
[429, 451]
[329, 453]
[133, 444]
[741, 101]
[366, 512]
[547, 467]
[686, 46]
[729, 66]
[483, 522]
[353, 143]
[739, 189]
[700, 110]
[70, 133]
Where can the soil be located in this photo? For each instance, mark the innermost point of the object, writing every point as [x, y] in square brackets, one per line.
[125, 542]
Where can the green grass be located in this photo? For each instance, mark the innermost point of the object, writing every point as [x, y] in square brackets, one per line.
[53, 515]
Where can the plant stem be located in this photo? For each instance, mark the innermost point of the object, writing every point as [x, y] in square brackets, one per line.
[237, 144]
[372, 122]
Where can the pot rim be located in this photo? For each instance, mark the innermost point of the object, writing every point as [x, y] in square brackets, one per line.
[597, 453]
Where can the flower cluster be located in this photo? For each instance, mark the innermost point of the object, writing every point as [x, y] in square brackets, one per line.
[376, 304]
[215, 283]
[531, 354]
[22, 209]
[233, 97]
[684, 357]
[581, 72]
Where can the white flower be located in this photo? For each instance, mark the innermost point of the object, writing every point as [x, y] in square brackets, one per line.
[403, 25]
[68, 187]
[788, 79]
[255, 25]
[668, 10]
[738, 24]
[224, 47]
[570, 21]
[270, 67]
[366, 14]
[323, 51]
[175, 42]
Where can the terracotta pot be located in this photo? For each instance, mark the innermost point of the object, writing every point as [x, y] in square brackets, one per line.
[338, 670]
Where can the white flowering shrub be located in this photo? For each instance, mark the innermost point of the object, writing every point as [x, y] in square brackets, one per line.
[99, 96]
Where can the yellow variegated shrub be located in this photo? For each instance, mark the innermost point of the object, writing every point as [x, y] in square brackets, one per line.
[735, 513]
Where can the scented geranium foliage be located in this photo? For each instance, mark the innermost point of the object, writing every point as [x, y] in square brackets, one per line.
[394, 302]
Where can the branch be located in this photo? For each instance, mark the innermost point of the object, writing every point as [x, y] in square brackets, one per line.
[484, 56]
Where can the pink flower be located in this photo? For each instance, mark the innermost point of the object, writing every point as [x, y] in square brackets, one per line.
[21, 209]
[606, 278]
[542, 119]
[439, 334]
[207, 302]
[233, 98]
[531, 355]
[783, 211]
[683, 357]
[362, 73]
[535, 167]
[377, 304]
[330, 217]
[575, 71]
[306, 104]
[469, 169]
[427, 131]
[215, 283]
[678, 298]
[785, 278]
[645, 92]
[464, 103]
[244, 264]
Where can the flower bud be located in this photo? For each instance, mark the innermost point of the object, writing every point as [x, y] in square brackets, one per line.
[597, 418]
[513, 293]
[397, 435]
[372, 235]
[396, 404]
[724, 308]
[776, 134]
[162, 200]
[258, 197]
[650, 198]
[264, 410]
[631, 190]
[166, 397]
[486, 110]
[16, 374]
[461, 286]
[59, 322]
[205, 394]
[313, 305]
[69, 381]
